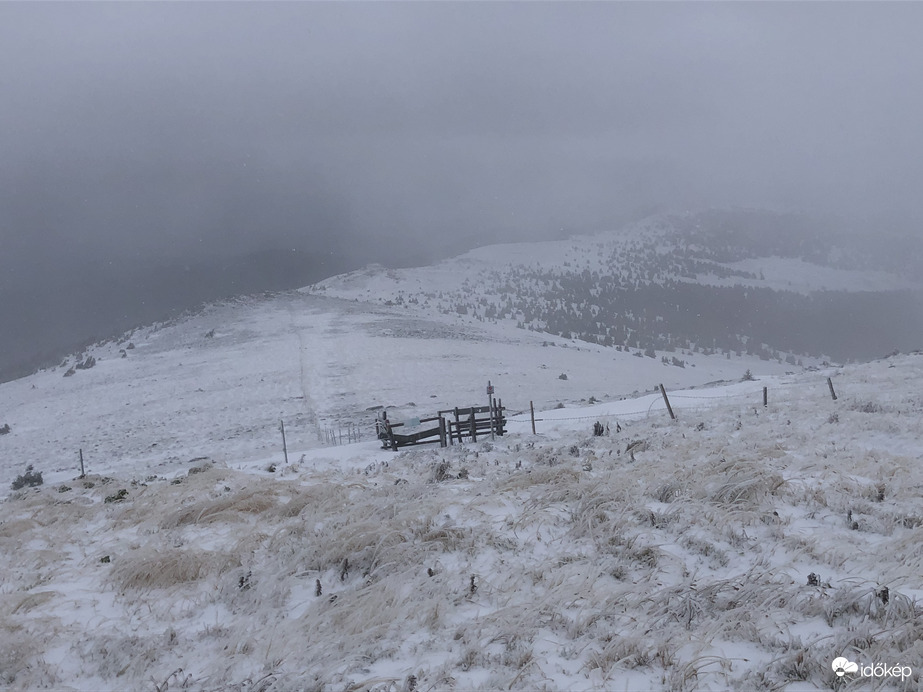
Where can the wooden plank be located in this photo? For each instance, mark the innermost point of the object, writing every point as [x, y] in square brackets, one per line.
[464, 412]
[417, 436]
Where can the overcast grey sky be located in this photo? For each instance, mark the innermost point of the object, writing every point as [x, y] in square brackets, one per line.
[142, 130]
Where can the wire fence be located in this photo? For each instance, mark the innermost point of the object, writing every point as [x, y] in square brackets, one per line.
[756, 395]
[751, 394]
[341, 433]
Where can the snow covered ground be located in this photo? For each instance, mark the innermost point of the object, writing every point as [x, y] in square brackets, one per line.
[218, 384]
[738, 547]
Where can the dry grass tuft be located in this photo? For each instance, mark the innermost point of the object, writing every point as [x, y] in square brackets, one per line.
[161, 570]
[230, 508]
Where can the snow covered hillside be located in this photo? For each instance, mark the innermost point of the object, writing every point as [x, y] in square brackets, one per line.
[737, 547]
[218, 384]
[776, 286]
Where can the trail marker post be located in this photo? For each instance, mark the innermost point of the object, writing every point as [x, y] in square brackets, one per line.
[284, 446]
[667, 402]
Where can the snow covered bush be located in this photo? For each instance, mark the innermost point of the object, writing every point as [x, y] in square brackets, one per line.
[28, 479]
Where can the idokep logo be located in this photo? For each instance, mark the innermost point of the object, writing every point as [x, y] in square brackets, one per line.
[841, 666]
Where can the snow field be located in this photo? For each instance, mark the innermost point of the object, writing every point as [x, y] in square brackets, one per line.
[217, 384]
[735, 548]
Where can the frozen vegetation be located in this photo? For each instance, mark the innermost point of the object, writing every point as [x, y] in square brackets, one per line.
[738, 547]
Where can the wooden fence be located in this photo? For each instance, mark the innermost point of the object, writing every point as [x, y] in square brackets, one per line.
[448, 427]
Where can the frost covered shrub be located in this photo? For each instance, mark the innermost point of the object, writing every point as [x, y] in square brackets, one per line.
[866, 407]
[29, 479]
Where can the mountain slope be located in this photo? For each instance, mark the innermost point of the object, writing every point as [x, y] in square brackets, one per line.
[219, 382]
[739, 547]
[776, 286]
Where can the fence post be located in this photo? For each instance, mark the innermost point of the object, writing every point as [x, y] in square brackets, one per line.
[391, 438]
[284, 446]
[667, 402]
[442, 435]
[765, 396]
[532, 414]
[830, 384]
[82, 472]
[474, 429]
[490, 407]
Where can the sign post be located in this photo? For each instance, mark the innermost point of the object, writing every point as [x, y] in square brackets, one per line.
[490, 407]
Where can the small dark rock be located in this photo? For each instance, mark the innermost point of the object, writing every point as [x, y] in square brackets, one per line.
[118, 497]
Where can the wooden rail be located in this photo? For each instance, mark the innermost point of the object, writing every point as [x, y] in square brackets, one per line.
[464, 423]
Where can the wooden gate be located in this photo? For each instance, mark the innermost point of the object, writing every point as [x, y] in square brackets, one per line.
[451, 426]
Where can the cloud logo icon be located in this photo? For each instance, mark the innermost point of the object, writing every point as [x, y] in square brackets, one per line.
[842, 665]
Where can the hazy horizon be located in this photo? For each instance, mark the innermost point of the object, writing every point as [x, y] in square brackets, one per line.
[141, 142]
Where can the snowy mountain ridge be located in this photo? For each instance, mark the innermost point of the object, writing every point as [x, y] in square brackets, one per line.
[720, 281]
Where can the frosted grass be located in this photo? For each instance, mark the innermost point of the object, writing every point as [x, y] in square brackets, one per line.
[746, 553]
